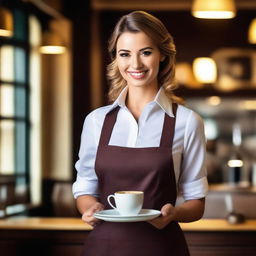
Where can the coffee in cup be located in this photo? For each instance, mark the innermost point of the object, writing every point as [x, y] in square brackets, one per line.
[128, 203]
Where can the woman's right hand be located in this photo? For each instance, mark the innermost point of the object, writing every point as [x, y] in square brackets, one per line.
[88, 217]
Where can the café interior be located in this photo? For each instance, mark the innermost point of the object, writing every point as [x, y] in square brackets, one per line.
[53, 57]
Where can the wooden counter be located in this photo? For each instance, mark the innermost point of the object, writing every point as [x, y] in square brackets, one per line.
[65, 237]
[34, 223]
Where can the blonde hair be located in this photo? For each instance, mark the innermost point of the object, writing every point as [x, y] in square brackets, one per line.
[139, 21]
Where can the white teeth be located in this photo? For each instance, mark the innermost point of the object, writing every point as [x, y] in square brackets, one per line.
[137, 74]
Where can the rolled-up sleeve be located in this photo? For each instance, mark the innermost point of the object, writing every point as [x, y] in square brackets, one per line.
[193, 178]
[86, 182]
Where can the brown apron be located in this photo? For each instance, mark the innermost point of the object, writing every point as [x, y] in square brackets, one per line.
[147, 169]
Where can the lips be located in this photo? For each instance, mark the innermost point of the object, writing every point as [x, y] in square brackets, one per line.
[137, 74]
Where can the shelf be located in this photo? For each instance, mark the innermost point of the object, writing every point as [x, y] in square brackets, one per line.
[226, 187]
[208, 91]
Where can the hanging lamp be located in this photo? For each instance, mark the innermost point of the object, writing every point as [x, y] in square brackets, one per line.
[252, 32]
[52, 43]
[213, 9]
[6, 22]
[205, 70]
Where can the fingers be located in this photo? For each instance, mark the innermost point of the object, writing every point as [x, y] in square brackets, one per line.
[167, 213]
[95, 208]
[167, 209]
[89, 220]
[88, 216]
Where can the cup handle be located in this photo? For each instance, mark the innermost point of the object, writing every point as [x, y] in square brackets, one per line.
[109, 197]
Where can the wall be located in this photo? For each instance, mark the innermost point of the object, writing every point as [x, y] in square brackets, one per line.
[57, 108]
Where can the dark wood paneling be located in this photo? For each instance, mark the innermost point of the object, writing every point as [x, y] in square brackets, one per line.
[221, 243]
[66, 243]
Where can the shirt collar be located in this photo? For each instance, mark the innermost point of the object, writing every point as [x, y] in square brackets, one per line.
[164, 102]
[161, 99]
[120, 101]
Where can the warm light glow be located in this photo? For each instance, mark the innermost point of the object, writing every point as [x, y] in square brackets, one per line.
[184, 75]
[7, 61]
[213, 9]
[6, 22]
[52, 43]
[252, 32]
[6, 33]
[205, 70]
[50, 49]
[214, 14]
[213, 100]
[235, 163]
[248, 104]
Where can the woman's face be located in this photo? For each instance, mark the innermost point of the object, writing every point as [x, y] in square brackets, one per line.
[138, 59]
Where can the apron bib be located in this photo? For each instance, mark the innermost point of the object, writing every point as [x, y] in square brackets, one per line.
[146, 169]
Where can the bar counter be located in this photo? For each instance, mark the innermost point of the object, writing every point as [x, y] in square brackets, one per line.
[34, 223]
[65, 237]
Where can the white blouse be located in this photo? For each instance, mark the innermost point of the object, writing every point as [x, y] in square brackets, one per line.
[188, 143]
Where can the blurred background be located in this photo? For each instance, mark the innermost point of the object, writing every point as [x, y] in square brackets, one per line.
[53, 55]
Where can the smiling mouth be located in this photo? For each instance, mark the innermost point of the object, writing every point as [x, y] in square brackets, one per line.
[138, 75]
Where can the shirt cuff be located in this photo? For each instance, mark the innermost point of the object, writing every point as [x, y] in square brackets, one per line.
[85, 187]
[195, 190]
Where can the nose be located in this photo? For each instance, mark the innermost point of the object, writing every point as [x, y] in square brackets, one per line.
[136, 62]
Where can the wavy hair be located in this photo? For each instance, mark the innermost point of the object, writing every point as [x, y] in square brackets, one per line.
[140, 21]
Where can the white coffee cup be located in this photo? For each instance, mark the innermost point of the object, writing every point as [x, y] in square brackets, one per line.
[128, 203]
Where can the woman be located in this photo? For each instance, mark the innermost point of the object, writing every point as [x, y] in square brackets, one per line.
[143, 141]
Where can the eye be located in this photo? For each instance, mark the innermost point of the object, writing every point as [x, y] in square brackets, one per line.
[123, 54]
[146, 53]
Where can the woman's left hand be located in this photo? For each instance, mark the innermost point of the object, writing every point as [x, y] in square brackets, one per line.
[168, 213]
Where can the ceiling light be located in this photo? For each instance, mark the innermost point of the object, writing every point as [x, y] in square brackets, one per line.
[214, 9]
[6, 23]
[252, 32]
[52, 44]
[205, 70]
[213, 100]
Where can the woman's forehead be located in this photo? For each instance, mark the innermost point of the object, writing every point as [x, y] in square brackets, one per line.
[134, 40]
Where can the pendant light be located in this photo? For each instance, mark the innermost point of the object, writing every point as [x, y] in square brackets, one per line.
[52, 43]
[252, 32]
[214, 9]
[205, 70]
[6, 22]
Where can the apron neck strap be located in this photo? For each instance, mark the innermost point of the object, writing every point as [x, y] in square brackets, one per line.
[168, 128]
[108, 125]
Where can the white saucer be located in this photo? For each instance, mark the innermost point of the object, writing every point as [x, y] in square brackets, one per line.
[114, 216]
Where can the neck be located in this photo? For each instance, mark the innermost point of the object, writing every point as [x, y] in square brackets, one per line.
[137, 98]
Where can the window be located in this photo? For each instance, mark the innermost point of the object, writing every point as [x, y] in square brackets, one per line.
[19, 116]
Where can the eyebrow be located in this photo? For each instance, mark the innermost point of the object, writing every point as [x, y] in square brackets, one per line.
[143, 49]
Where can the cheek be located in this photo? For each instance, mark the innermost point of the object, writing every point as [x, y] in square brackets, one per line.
[155, 65]
[121, 66]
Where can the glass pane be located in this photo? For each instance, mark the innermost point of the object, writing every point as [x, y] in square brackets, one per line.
[6, 63]
[20, 189]
[35, 111]
[20, 26]
[20, 102]
[6, 147]
[6, 100]
[20, 65]
[21, 149]
[34, 31]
